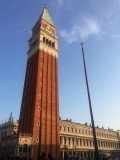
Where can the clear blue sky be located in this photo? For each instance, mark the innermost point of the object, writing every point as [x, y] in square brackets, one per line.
[97, 24]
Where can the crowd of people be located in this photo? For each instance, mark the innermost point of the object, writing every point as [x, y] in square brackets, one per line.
[50, 157]
[102, 157]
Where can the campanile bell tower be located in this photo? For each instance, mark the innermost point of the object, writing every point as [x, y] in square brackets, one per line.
[39, 115]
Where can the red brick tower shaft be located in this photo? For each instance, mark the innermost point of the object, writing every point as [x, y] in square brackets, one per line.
[40, 94]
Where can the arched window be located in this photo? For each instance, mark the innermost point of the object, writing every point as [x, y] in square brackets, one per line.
[47, 41]
[38, 123]
[43, 39]
[53, 45]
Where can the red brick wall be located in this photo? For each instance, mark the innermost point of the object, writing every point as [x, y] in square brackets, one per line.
[28, 101]
[49, 103]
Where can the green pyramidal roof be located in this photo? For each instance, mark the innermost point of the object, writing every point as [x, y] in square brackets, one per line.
[45, 15]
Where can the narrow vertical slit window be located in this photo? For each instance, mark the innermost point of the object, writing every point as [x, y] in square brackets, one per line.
[39, 95]
[38, 123]
[40, 74]
[40, 84]
[37, 139]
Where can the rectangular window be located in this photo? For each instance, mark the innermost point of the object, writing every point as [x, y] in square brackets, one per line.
[37, 139]
[68, 129]
[69, 141]
[73, 141]
[77, 142]
[75, 130]
[82, 132]
[60, 140]
[65, 140]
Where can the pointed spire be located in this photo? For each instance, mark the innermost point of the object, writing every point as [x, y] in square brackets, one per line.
[45, 16]
[45, 6]
[11, 118]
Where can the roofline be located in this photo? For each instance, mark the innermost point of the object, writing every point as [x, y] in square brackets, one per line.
[88, 125]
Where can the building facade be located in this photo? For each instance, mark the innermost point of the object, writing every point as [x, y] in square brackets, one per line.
[8, 128]
[8, 137]
[75, 140]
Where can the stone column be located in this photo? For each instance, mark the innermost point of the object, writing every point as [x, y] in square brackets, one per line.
[86, 154]
[107, 144]
[63, 155]
[104, 144]
[79, 155]
[71, 153]
[81, 142]
[90, 154]
[92, 144]
[70, 141]
[62, 140]
[83, 154]
[74, 141]
[75, 153]
[93, 154]
[67, 141]
[85, 143]
[88, 143]
[99, 144]
[17, 154]
[78, 142]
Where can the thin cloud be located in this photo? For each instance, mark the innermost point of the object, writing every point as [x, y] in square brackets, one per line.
[30, 31]
[18, 32]
[115, 36]
[89, 27]
[60, 2]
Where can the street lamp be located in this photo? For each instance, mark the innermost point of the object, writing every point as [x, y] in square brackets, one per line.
[90, 106]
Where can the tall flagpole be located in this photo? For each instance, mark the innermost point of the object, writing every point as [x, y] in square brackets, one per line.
[90, 106]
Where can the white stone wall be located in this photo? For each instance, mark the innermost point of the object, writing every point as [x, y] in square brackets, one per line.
[74, 135]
